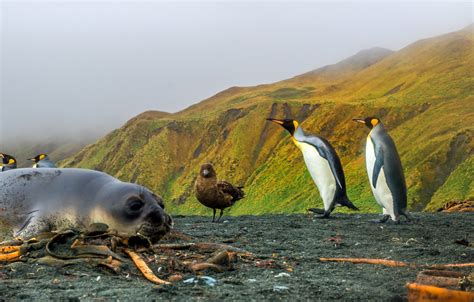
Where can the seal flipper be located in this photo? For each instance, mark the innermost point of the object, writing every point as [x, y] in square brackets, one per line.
[26, 221]
[31, 227]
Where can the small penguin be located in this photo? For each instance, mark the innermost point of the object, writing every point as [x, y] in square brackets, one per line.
[8, 162]
[385, 171]
[42, 161]
[215, 194]
[324, 166]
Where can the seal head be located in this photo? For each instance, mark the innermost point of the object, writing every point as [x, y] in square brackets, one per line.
[139, 210]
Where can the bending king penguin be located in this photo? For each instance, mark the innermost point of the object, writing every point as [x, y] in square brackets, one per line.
[324, 166]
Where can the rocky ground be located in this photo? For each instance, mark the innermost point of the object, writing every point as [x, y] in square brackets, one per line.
[287, 247]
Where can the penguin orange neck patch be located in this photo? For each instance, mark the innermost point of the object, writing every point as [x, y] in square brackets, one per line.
[295, 123]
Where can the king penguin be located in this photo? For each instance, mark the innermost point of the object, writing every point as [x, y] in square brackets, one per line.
[42, 161]
[8, 162]
[323, 164]
[385, 171]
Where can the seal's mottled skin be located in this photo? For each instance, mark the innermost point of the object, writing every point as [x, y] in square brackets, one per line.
[35, 200]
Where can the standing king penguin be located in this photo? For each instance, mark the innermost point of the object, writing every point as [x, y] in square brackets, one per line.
[7, 162]
[385, 171]
[323, 164]
[42, 161]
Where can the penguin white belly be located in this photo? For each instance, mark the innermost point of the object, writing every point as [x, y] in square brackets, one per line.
[381, 192]
[321, 173]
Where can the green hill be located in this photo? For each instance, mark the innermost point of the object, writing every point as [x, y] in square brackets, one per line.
[423, 93]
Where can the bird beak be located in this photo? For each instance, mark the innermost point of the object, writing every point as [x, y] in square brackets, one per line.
[279, 122]
[205, 172]
[359, 120]
[31, 159]
[1, 155]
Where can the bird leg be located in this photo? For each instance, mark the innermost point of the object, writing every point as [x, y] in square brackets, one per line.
[213, 215]
[218, 219]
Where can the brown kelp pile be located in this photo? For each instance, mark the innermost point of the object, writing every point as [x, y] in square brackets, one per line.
[100, 247]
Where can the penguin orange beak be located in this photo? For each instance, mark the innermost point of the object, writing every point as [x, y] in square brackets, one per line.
[276, 121]
[359, 120]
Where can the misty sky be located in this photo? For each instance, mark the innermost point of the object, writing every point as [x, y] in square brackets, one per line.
[86, 66]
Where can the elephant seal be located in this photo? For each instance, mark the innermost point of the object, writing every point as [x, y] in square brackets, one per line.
[37, 200]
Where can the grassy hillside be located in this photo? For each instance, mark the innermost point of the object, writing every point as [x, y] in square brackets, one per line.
[423, 93]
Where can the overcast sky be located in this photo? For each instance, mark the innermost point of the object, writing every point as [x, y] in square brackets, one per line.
[68, 67]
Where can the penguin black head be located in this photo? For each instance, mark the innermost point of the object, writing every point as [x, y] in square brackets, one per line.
[207, 171]
[8, 159]
[39, 157]
[370, 122]
[289, 124]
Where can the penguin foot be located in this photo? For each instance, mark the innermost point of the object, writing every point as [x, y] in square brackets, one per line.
[384, 219]
[409, 218]
[322, 217]
[325, 215]
[316, 211]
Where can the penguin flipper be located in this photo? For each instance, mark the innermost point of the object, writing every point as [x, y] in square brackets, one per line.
[377, 165]
[327, 152]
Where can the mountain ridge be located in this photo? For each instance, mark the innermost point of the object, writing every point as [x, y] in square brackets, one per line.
[411, 90]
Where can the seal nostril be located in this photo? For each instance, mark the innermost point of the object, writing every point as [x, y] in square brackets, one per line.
[155, 218]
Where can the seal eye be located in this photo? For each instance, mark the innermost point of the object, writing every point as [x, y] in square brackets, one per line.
[135, 204]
